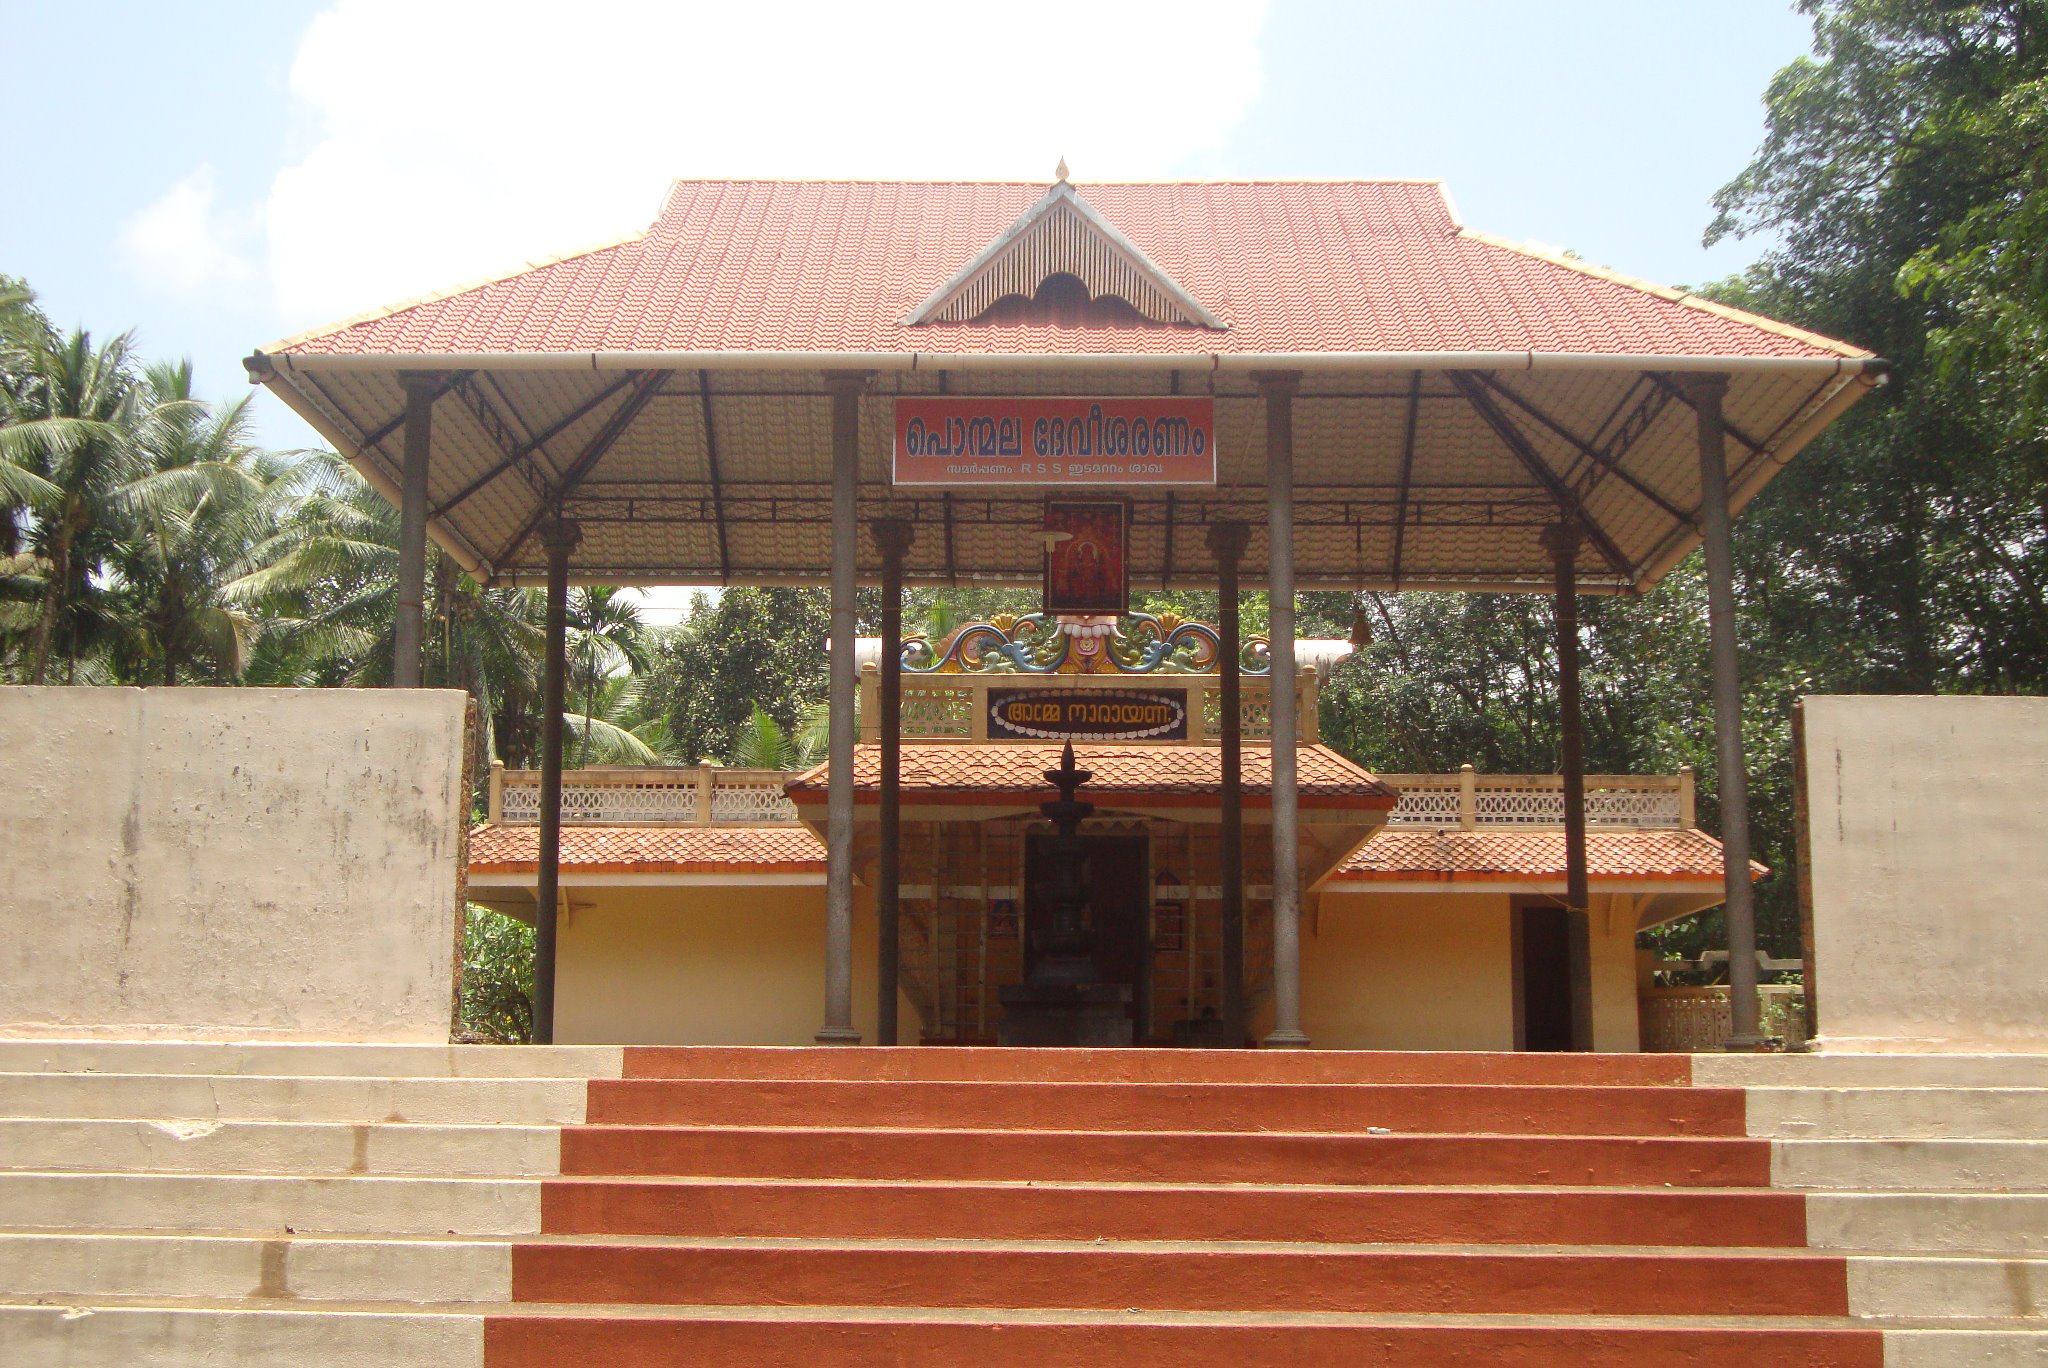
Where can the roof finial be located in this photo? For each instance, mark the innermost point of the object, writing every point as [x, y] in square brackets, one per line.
[1060, 172]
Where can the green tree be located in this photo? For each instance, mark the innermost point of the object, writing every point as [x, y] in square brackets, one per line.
[604, 642]
[743, 646]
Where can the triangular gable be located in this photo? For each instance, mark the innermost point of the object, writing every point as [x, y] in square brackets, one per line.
[1062, 234]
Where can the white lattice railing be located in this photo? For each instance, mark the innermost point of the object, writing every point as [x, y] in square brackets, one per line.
[696, 795]
[1469, 799]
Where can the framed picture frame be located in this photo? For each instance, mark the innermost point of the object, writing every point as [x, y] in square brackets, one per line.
[1087, 557]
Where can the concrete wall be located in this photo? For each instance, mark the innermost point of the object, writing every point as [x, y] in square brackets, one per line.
[1435, 971]
[230, 863]
[1928, 832]
[706, 966]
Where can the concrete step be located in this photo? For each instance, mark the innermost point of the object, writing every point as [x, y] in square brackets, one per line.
[1409, 1108]
[249, 1334]
[1912, 1165]
[383, 1336]
[1147, 1277]
[1957, 1287]
[995, 1065]
[1165, 1157]
[319, 1059]
[1089, 1211]
[830, 1338]
[204, 1097]
[42, 1264]
[288, 1147]
[1871, 1070]
[1898, 1113]
[281, 1205]
[1916, 1222]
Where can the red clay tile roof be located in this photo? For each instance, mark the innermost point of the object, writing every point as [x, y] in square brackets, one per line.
[1162, 776]
[1482, 856]
[1290, 267]
[651, 849]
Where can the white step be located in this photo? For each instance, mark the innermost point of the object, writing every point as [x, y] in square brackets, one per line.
[324, 1148]
[42, 1266]
[1920, 1222]
[1972, 1348]
[203, 1097]
[1955, 1287]
[1912, 1165]
[316, 1059]
[473, 1207]
[1870, 1070]
[1899, 1113]
[239, 1337]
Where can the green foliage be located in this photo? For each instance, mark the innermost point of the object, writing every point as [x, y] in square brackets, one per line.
[747, 644]
[497, 978]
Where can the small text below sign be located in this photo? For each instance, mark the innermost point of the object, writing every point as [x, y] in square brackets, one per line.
[961, 440]
[1088, 714]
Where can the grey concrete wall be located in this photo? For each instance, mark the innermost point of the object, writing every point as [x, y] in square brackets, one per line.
[1928, 826]
[207, 863]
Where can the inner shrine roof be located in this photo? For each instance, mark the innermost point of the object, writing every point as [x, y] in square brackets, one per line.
[1152, 776]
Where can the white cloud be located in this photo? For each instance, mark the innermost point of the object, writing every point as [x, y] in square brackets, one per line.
[442, 142]
[186, 242]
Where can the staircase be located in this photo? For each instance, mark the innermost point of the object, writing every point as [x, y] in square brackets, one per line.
[531, 1208]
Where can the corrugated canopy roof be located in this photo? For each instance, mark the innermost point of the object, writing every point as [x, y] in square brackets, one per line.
[669, 388]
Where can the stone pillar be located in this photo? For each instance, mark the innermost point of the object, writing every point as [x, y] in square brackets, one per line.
[421, 388]
[1278, 389]
[845, 388]
[1706, 393]
[1562, 541]
[560, 537]
[1227, 541]
[893, 538]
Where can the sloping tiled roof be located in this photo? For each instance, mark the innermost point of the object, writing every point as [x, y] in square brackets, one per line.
[651, 849]
[1161, 776]
[1288, 266]
[1482, 856]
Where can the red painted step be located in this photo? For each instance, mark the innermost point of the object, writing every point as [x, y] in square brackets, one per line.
[969, 1064]
[545, 1342]
[1176, 1156]
[1294, 1280]
[1052, 1211]
[1412, 1108]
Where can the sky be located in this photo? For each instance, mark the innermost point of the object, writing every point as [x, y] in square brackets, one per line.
[220, 174]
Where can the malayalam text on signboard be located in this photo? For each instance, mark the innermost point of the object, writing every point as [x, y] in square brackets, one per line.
[956, 440]
[1088, 714]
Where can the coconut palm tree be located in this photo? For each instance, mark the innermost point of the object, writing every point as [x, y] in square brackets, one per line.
[189, 524]
[605, 640]
[326, 580]
[67, 418]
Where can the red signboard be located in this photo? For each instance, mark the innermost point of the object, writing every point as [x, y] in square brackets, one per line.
[958, 440]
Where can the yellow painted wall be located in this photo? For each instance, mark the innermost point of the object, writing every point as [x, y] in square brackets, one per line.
[706, 966]
[1435, 971]
[746, 966]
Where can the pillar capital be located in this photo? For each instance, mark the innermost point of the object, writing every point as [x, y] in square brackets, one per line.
[1227, 540]
[893, 538]
[1277, 382]
[561, 534]
[1563, 540]
[420, 381]
[1702, 385]
[847, 381]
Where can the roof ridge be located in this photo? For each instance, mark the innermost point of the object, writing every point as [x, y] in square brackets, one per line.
[1669, 293]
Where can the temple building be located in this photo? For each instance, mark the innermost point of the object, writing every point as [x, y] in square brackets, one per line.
[1265, 386]
[692, 900]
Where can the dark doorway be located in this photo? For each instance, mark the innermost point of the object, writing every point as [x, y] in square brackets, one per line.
[1119, 910]
[1543, 977]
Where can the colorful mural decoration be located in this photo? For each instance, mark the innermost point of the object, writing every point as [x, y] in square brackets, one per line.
[1041, 643]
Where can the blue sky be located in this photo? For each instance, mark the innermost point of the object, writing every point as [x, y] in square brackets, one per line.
[218, 175]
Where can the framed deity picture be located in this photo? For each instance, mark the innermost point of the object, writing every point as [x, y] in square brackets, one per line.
[1002, 919]
[1087, 565]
